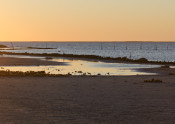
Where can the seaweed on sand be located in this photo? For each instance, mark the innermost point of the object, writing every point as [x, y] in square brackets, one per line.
[153, 81]
[28, 74]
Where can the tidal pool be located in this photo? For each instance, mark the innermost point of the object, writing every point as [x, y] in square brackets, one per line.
[83, 67]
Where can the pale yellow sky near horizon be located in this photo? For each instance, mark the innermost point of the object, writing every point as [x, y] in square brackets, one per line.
[87, 20]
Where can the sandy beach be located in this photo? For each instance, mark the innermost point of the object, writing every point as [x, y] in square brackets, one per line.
[96, 100]
[86, 99]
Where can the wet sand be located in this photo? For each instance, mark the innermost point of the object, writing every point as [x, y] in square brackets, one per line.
[96, 100]
[159, 70]
[12, 61]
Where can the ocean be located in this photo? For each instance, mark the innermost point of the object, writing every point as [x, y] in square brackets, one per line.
[153, 51]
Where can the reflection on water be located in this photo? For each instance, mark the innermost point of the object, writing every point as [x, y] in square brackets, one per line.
[83, 67]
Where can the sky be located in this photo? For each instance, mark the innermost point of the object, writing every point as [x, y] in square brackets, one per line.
[87, 20]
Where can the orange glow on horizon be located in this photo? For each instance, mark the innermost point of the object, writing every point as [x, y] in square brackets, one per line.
[92, 20]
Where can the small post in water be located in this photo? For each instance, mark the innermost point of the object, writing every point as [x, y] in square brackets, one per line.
[114, 45]
[155, 47]
[46, 45]
[141, 46]
[12, 46]
[101, 46]
[130, 55]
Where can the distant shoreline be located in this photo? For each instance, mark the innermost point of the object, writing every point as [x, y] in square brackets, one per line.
[88, 41]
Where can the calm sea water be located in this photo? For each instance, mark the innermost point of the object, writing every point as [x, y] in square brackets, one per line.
[154, 51]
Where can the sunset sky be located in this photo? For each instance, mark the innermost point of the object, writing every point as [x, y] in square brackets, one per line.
[87, 20]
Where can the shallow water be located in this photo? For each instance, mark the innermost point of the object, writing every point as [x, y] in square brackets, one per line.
[82, 67]
[153, 51]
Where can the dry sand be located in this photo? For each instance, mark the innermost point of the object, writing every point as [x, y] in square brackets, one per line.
[79, 100]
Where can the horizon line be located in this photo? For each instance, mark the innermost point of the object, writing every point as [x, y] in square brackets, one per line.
[84, 41]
